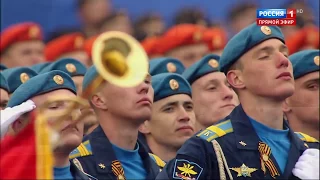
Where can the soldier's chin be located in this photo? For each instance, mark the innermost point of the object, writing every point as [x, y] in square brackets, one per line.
[69, 142]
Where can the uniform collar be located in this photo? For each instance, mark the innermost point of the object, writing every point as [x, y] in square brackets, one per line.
[245, 132]
[243, 129]
[104, 154]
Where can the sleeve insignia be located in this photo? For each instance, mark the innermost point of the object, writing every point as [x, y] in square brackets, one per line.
[84, 149]
[184, 169]
[216, 131]
[306, 138]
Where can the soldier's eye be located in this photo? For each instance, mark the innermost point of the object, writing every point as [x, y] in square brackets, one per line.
[168, 109]
[211, 88]
[189, 107]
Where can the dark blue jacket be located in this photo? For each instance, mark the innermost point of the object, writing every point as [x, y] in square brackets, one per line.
[239, 143]
[95, 156]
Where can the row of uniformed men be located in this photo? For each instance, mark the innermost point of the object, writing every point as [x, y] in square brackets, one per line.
[180, 121]
[172, 100]
[22, 44]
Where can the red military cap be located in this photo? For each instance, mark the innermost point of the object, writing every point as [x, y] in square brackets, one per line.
[20, 32]
[308, 36]
[180, 35]
[216, 38]
[150, 45]
[88, 45]
[64, 44]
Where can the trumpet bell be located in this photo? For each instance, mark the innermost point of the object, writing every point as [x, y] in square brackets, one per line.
[120, 59]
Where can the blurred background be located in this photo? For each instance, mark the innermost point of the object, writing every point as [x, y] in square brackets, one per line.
[145, 18]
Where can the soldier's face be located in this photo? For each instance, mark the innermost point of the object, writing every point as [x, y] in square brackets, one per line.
[94, 11]
[4, 98]
[81, 56]
[129, 103]
[78, 82]
[189, 54]
[304, 103]
[213, 98]
[26, 53]
[71, 132]
[172, 121]
[217, 52]
[267, 72]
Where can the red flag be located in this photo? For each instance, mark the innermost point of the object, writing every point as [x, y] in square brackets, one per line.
[27, 155]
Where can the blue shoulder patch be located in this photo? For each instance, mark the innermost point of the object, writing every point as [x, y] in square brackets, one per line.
[84, 149]
[216, 131]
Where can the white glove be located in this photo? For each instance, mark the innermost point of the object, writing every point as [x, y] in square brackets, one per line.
[307, 166]
[9, 115]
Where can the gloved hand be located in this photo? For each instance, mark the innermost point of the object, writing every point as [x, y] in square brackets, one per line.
[9, 115]
[307, 166]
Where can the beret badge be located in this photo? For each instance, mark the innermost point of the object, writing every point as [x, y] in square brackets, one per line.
[266, 30]
[171, 67]
[71, 68]
[174, 85]
[58, 79]
[24, 77]
[316, 60]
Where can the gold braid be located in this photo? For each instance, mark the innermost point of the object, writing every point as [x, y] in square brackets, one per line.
[222, 162]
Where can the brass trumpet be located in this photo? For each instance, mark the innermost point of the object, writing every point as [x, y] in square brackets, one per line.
[119, 60]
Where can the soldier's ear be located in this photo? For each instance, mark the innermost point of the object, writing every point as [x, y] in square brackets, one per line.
[235, 79]
[286, 107]
[99, 101]
[144, 128]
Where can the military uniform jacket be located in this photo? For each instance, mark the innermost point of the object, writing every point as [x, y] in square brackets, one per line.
[198, 159]
[95, 155]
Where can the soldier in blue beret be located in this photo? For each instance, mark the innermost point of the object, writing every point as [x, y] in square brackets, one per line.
[302, 108]
[212, 95]
[172, 120]
[71, 66]
[39, 89]
[166, 65]
[254, 141]
[17, 76]
[112, 150]
[4, 92]
[38, 67]
[3, 67]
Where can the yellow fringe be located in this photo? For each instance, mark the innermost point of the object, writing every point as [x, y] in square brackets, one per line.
[44, 155]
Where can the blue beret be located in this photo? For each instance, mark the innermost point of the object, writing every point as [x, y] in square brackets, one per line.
[304, 62]
[17, 76]
[246, 39]
[90, 75]
[38, 67]
[165, 65]
[41, 84]
[68, 65]
[168, 84]
[3, 67]
[3, 83]
[206, 65]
